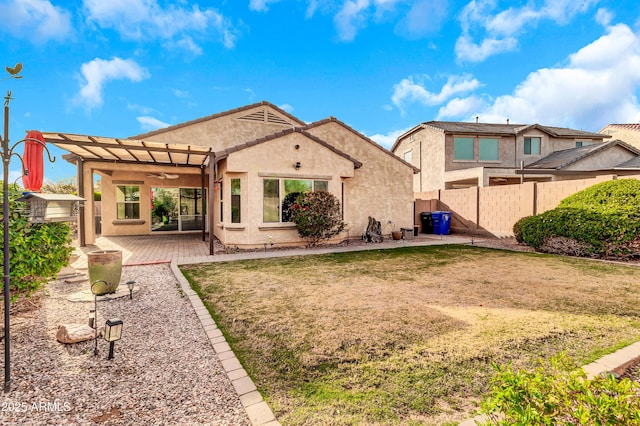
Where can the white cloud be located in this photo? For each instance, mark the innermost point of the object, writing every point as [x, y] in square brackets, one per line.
[598, 86]
[424, 17]
[35, 20]
[460, 107]
[261, 5]
[146, 19]
[286, 107]
[412, 89]
[498, 32]
[387, 140]
[351, 18]
[149, 123]
[97, 73]
[604, 17]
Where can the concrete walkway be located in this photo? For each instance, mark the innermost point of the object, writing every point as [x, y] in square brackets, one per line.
[190, 249]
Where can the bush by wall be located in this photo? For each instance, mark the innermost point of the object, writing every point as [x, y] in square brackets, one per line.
[37, 252]
[600, 221]
[317, 216]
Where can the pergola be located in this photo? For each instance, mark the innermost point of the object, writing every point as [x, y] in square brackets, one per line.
[97, 149]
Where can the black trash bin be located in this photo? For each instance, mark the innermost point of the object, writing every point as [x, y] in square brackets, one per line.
[427, 222]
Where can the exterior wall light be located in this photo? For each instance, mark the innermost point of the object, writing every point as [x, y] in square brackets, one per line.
[112, 332]
[297, 165]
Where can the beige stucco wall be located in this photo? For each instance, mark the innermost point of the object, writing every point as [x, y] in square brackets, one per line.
[632, 137]
[428, 155]
[614, 156]
[226, 130]
[275, 158]
[382, 188]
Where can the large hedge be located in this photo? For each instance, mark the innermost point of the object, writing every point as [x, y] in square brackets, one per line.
[600, 221]
[37, 252]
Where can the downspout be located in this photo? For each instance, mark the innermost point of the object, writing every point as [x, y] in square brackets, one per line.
[81, 213]
[420, 166]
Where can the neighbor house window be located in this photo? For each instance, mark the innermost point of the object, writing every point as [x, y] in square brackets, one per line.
[532, 146]
[580, 143]
[489, 150]
[128, 202]
[280, 194]
[235, 200]
[463, 149]
[407, 157]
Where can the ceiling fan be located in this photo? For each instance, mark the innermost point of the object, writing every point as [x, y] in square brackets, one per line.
[163, 175]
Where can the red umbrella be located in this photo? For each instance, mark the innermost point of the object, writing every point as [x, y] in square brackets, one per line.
[33, 161]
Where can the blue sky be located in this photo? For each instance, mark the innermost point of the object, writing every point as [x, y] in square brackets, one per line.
[123, 67]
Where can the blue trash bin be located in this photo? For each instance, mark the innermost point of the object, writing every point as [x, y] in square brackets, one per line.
[441, 222]
[445, 223]
[436, 218]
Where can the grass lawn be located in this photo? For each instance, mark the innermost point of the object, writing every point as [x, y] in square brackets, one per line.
[407, 336]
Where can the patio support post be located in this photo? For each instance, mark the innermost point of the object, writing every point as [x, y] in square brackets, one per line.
[204, 202]
[212, 181]
[81, 215]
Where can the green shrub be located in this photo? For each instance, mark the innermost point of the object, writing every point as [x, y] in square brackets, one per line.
[37, 252]
[607, 197]
[560, 394]
[603, 220]
[317, 216]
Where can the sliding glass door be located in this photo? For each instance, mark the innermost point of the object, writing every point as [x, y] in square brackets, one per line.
[177, 209]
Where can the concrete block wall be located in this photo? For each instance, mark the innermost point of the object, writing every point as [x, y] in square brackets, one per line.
[495, 209]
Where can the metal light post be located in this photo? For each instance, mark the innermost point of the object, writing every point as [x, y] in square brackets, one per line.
[6, 158]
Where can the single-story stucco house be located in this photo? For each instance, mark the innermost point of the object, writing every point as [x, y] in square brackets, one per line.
[229, 173]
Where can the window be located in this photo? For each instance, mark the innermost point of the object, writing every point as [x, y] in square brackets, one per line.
[532, 146]
[580, 143]
[463, 149]
[127, 202]
[221, 203]
[235, 200]
[489, 150]
[407, 157]
[280, 194]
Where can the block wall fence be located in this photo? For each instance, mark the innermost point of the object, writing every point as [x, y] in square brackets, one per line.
[494, 210]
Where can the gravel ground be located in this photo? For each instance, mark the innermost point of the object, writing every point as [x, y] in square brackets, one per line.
[164, 370]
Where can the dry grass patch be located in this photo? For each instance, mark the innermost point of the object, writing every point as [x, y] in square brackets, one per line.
[408, 335]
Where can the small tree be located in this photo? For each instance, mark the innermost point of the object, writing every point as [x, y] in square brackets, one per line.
[317, 216]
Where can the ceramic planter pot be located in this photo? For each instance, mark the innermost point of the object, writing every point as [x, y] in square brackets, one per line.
[396, 235]
[105, 265]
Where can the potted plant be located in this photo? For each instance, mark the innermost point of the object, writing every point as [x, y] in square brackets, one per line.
[396, 235]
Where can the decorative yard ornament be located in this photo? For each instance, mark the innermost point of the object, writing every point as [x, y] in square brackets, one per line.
[33, 162]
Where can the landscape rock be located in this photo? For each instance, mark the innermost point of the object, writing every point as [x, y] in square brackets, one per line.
[74, 333]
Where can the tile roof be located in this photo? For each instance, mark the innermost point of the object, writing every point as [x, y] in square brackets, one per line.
[561, 159]
[508, 129]
[629, 126]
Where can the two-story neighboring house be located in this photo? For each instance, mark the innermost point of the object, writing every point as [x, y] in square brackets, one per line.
[456, 154]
